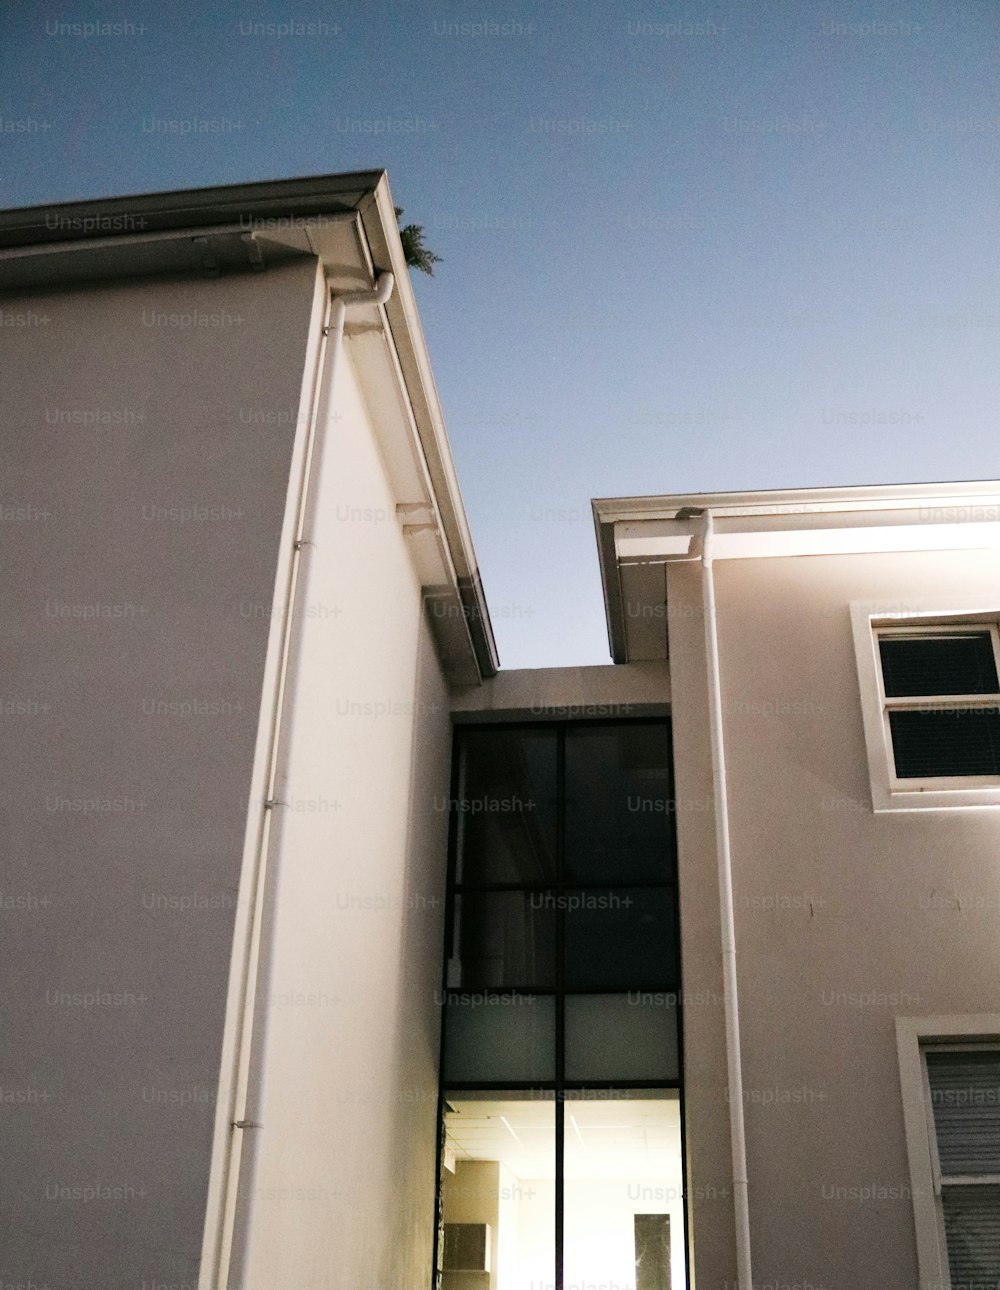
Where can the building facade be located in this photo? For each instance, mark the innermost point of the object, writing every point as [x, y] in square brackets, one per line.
[334, 955]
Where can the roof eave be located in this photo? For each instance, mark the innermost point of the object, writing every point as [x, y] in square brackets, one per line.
[196, 207]
[811, 508]
[364, 194]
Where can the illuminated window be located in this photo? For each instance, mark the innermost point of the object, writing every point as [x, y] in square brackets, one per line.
[561, 1061]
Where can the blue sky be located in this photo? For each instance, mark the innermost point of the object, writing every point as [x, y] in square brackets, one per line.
[685, 247]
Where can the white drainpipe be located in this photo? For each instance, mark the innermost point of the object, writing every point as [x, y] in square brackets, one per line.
[335, 328]
[733, 1058]
[221, 1220]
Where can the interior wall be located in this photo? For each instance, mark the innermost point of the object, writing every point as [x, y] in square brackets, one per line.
[506, 1247]
[600, 1228]
[339, 1183]
[536, 1208]
[146, 432]
[472, 1195]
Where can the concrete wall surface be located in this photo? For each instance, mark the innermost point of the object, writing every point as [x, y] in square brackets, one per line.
[338, 1185]
[612, 692]
[146, 433]
[844, 919]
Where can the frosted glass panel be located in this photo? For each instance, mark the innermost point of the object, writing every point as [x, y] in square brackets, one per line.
[621, 1036]
[499, 1036]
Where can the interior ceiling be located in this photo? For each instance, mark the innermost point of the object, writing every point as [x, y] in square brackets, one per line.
[604, 1139]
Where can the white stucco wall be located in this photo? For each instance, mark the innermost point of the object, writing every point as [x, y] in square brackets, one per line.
[844, 919]
[339, 1183]
[146, 432]
[606, 692]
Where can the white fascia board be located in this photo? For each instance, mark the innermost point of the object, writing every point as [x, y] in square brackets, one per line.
[405, 337]
[823, 541]
[802, 501]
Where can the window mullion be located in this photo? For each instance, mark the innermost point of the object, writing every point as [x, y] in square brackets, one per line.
[560, 1010]
[940, 702]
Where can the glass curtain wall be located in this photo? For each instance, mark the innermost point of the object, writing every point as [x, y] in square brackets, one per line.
[561, 1007]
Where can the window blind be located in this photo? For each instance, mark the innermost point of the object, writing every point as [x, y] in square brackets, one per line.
[965, 1102]
[965, 1099]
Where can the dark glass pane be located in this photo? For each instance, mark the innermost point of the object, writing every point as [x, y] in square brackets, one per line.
[506, 806]
[504, 939]
[972, 1233]
[958, 742]
[962, 663]
[619, 804]
[499, 1037]
[619, 938]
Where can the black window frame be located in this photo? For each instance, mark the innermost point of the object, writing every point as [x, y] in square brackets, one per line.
[560, 1088]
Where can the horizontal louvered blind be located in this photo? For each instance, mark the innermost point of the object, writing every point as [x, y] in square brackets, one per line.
[934, 663]
[972, 1234]
[965, 1100]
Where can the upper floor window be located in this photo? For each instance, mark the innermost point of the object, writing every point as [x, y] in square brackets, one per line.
[941, 699]
[563, 919]
[930, 691]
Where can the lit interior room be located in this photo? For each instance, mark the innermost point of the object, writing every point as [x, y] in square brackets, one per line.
[620, 1178]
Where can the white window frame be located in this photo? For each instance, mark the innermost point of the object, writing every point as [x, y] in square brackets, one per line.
[869, 619]
[914, 1036]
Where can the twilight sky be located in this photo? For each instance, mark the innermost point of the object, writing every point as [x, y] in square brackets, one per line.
[686, 247]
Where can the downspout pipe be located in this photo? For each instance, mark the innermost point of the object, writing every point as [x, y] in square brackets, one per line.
[334, 330]
[724, 856]
[223, 1235]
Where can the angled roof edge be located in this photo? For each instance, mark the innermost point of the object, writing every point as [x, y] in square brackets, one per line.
[364, 194]
[193, 207]
[378, 221]
[802, 501]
